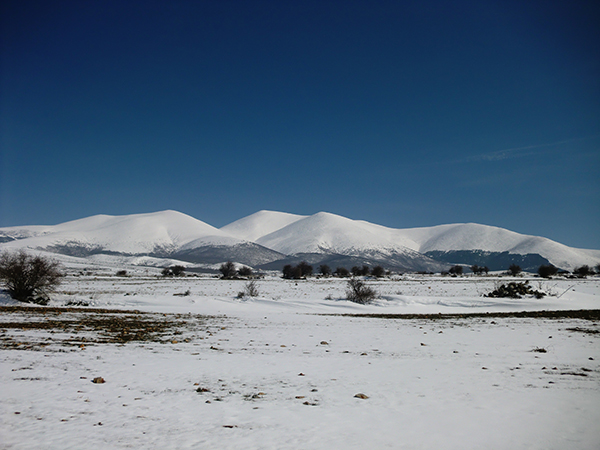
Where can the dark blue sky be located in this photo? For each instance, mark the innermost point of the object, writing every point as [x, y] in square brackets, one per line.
[401, 113]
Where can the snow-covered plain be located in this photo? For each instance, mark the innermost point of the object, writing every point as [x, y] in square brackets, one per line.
[282, 370]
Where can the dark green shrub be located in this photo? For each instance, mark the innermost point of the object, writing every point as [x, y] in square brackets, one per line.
[514, 270]
[177, 271]
[546, 271]
[583, 271]
[514, 290]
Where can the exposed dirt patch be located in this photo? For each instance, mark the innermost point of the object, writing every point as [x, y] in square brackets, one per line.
[585, 314]
[34, 328]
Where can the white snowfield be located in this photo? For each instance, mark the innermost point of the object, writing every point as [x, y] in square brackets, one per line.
[170, 231]
[284, 370]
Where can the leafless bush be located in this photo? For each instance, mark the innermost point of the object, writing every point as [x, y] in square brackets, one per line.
[29, 278]
[250, 290]
[359, 292]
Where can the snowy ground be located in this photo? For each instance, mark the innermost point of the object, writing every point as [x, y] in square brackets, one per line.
[280, 372]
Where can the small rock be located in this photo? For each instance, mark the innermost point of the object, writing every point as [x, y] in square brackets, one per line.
[98, 380]
[324, 343]
[301, 374]
[363, 396]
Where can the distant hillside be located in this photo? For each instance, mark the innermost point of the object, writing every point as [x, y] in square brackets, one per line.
[492, 260]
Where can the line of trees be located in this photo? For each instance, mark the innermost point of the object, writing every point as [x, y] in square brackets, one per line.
[230, 272]
[303, 270]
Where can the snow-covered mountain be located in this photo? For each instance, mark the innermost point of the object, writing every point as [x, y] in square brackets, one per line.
[328, 233]
[270, 239]
[335, 236]
[260, 224]
[472, 236]
[162, 234]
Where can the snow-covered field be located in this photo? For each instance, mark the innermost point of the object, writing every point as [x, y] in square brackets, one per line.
[283, 370]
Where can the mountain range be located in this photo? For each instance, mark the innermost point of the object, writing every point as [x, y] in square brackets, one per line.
[270, 239]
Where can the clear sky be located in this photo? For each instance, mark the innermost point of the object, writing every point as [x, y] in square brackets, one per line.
[401, 113]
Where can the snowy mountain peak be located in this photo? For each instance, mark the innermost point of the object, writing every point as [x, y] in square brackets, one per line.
[326, 232]
[270, 236]
[260, 224]
[131, 234]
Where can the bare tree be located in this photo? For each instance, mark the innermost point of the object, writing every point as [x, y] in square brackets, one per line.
[456, 270]
[341, 272]
[29, 278]
[228, 270]
[378, 271]
[325, 270]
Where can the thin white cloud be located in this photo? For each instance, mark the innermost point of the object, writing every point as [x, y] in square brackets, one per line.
[521, 152]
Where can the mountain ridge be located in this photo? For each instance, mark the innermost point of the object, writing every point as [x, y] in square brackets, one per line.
[266, 237]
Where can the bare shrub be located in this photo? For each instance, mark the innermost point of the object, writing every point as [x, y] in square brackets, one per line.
[359, 292]
[250, 290]
[29, 278]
